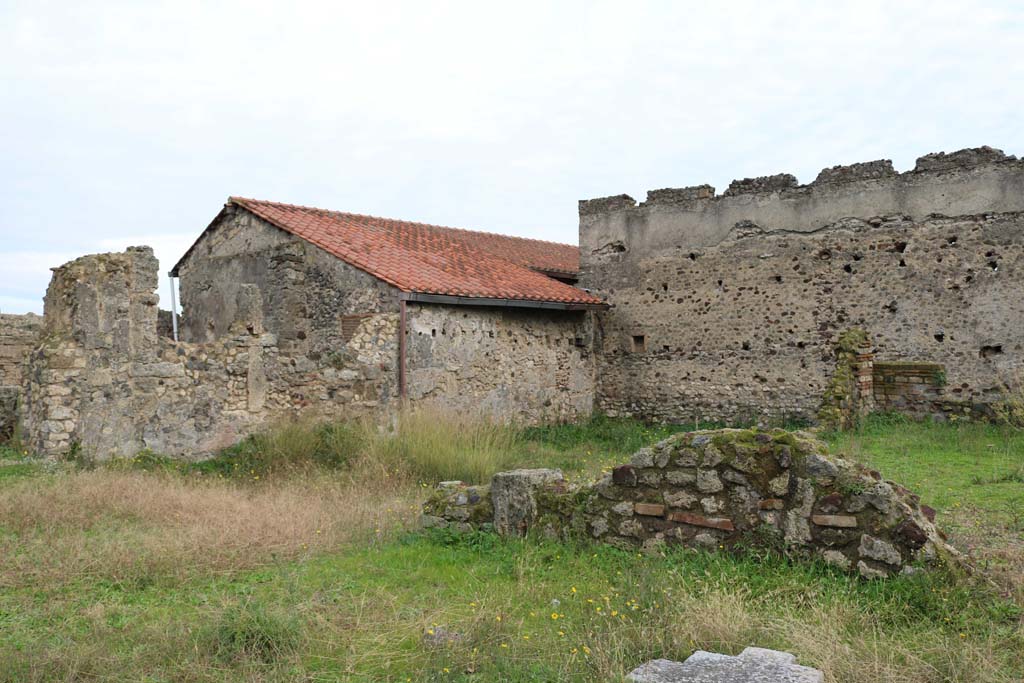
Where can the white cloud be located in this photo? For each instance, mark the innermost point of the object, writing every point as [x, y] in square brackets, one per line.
[124, 119]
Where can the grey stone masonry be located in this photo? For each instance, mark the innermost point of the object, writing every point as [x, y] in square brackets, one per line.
[753, 665]
[716, 490]
[18, 335]
[727, 308]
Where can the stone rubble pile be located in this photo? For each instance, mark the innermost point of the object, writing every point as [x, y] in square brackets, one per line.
[716, 489]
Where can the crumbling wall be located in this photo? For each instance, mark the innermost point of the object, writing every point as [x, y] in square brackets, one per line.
[725, 308]
[18, 334]
[527, 365]
[716, 490]
[517, 364]
[102, 382]
[307, 296]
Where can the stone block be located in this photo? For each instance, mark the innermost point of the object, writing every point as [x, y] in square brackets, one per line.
[877, 549]
[513, 497]
[649, 509]
[753, 665]
[843, 521]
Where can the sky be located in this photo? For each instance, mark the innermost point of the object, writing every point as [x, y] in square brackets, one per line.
[126, 123]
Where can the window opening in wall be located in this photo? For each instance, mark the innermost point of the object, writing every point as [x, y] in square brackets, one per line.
[639, 343]
[989, 350]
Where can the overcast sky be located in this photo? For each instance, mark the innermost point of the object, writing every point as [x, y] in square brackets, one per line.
[128, 123]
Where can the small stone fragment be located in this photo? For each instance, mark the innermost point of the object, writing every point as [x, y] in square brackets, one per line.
[831, 504]
[643, 458]
[650, 477]
[439, 636]
[869, 572]
[711, 505]
[772, 504]
[712, 457]
[779, 485]
[877, 549]
[631, 527]
[705, 540]
[821, 467]
[708, 481]
[735, 478]
[679, 499]
[836, 558]
[912, 534]
[625, 509]
[687, 457]
[677, 478]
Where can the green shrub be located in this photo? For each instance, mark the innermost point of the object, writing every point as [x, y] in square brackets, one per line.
[439, 446]
[250, 631]
[292, 445]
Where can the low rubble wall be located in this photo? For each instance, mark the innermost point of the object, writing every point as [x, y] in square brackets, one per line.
[716, 489]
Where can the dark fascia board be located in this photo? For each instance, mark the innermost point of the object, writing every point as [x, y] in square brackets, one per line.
[500, 303]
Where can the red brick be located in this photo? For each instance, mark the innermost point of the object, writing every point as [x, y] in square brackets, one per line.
[844, 521]
[723, 523]
[650, 509]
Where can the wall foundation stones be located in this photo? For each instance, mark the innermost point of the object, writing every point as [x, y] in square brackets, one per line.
[832, 509]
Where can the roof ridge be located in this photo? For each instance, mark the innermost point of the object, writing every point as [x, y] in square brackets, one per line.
[235, 198]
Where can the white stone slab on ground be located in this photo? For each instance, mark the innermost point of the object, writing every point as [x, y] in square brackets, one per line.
[753, 665]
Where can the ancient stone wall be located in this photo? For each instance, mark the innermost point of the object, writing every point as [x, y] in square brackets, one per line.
[726, 308]
[307, 296]
[716, 490]
[104, 383]
[18, 334]
[517, 364]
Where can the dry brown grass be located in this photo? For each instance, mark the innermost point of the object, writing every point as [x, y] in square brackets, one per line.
[132, 526]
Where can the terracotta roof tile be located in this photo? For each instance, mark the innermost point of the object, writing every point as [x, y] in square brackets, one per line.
[430, 259]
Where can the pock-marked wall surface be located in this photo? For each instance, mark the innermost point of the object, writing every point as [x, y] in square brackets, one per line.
[729, 307]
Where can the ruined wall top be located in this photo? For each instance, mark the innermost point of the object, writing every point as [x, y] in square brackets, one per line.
[18, 334]
[967, 182]
[105, 301]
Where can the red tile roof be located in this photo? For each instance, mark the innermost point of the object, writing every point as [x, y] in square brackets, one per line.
[430, 259]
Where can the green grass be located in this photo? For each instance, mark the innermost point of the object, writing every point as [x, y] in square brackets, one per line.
[951, 466]
[524, 611]
[292, 604]
[582, 450]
